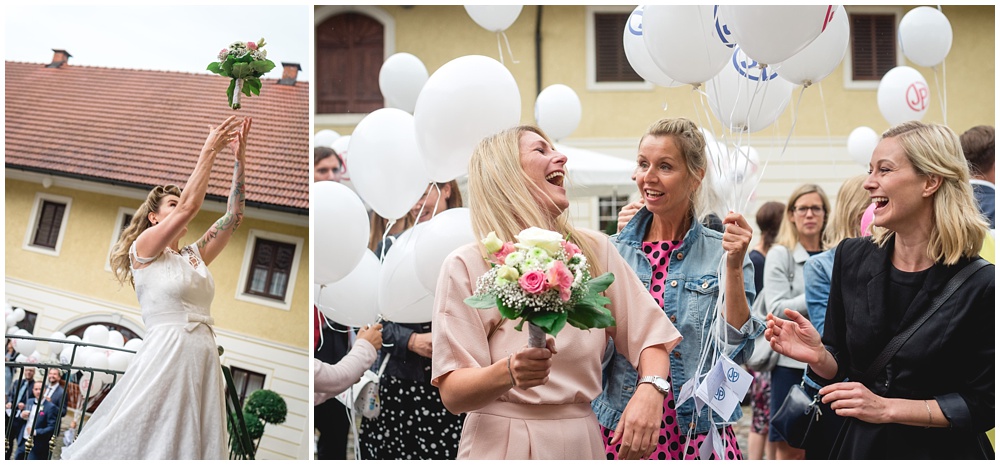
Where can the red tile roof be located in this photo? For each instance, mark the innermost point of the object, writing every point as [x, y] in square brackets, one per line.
[141, 128]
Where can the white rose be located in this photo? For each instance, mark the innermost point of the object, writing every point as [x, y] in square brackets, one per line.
[550, 241]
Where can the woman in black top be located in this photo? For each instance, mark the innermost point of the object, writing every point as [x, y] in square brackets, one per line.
[935, 397]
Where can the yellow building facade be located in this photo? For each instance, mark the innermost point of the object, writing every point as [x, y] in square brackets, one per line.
[73, 286]
[561, 39]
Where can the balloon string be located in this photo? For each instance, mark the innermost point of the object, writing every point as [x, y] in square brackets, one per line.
[385, 234]
[795, 118]
[942, 93]
[504, 34]
[826, 120]
[704, 107]
[499, 48]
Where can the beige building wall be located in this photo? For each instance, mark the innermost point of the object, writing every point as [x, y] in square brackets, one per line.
[613, 120]
[76, 287]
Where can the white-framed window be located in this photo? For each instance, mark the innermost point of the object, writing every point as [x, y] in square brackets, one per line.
[122, 220]
[351, 43]
[607, 67]
[874, 48]
[246, 382]
[607, 212]
[47, 224]
[270, 265]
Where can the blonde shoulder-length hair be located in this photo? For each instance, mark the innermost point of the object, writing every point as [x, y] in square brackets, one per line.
[788, 234]
[935, 150]
[502, 198]
[845, 221]
[120, 262]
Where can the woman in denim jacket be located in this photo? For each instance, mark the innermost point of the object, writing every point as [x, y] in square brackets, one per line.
[671, 169]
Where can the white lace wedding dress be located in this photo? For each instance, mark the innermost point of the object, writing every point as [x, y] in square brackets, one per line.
[170, 402]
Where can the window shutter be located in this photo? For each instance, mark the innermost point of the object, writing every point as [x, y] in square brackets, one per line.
[873, 47]
[349, 53]
[611, 64]
[49, 223]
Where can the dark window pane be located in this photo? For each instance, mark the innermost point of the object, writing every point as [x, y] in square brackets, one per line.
[270, 268]
[873, 46]
[349, 54]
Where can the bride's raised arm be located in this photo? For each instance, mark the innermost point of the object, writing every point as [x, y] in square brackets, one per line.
[215, 239]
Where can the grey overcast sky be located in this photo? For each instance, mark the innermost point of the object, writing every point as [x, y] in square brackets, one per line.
[167, 38]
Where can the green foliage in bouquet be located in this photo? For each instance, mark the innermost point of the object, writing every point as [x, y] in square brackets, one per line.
[244, 63]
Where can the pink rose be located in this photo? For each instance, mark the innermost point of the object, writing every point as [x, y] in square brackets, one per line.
[533, 282]
[505, 250]
[570, 248]
[560, 276]
[252, 45]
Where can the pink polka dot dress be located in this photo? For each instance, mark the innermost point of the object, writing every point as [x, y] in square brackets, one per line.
[673, 444]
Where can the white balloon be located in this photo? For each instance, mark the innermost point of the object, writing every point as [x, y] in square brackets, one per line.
[386, 166]
[467, 99]
[745, 97]
[56, 347]
[118, 360]
[401, 296]
[35, 356]
[90, 385]
[352, 301]
[774, 33]
[742, 163]
[820, 57]
[558, 111]
[861, 143]
[96, 334]
[340, 222]
[325, 138]
[115, 339]
[25, 346]
[11, 320]
[340, 145]
[703, 53]
[925, 36]
[400, 80]
[903, 95]
[64, 356]
[637, 54]
[12, 329]
[19, 314]
[133, 344]
[96, 358]
[443, 234]
[494, 18]
[21, 358]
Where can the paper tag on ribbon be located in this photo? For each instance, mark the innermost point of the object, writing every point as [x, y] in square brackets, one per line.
[724, 387]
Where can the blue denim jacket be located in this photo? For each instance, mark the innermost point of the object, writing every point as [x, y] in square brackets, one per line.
[817, 273]
[692, 290]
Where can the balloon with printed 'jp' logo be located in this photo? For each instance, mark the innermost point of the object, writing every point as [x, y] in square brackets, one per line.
[683, 42]
[746, 97]
[903, 95]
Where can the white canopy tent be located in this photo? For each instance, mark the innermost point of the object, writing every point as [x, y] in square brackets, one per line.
[596, 174]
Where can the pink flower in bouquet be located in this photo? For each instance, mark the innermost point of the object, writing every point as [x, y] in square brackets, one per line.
[570, 248]
[252, 45]
[505, 250]
[533, 282]
[223, 54]
[561, 277]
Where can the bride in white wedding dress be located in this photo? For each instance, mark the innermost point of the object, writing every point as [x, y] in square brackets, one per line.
[170, 404]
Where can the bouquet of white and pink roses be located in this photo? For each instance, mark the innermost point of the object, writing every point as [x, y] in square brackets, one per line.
[543, 280]
[245, 63]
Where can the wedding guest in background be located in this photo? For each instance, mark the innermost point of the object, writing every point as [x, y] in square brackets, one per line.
[977, 144]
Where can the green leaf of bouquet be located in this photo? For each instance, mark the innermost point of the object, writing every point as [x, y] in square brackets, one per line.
[519, 323]
[262, 66]
[227, 66]
[215, 67]
[587, 314]
[242, 70]
[600, 283]
[507, 312]
[254, 84]
[550, 322]
[229, 91]
[481, 301]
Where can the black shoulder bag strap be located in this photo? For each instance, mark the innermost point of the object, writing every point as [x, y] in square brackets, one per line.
[890, 349]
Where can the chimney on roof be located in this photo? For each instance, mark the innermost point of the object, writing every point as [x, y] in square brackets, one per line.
[289, 74]
[59, 58]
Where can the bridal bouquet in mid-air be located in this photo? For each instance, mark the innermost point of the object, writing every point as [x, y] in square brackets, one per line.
[244, 63]
[542, 279]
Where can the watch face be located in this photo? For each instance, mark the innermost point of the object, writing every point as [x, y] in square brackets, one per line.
[661, 384]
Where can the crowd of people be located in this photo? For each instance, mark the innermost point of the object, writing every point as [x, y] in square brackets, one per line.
[838, 281]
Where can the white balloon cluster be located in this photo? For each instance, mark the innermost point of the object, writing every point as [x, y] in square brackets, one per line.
[95, 357]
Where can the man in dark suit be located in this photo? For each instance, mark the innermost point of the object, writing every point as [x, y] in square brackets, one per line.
[54, 391]
[19, 394]
[40, 423]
